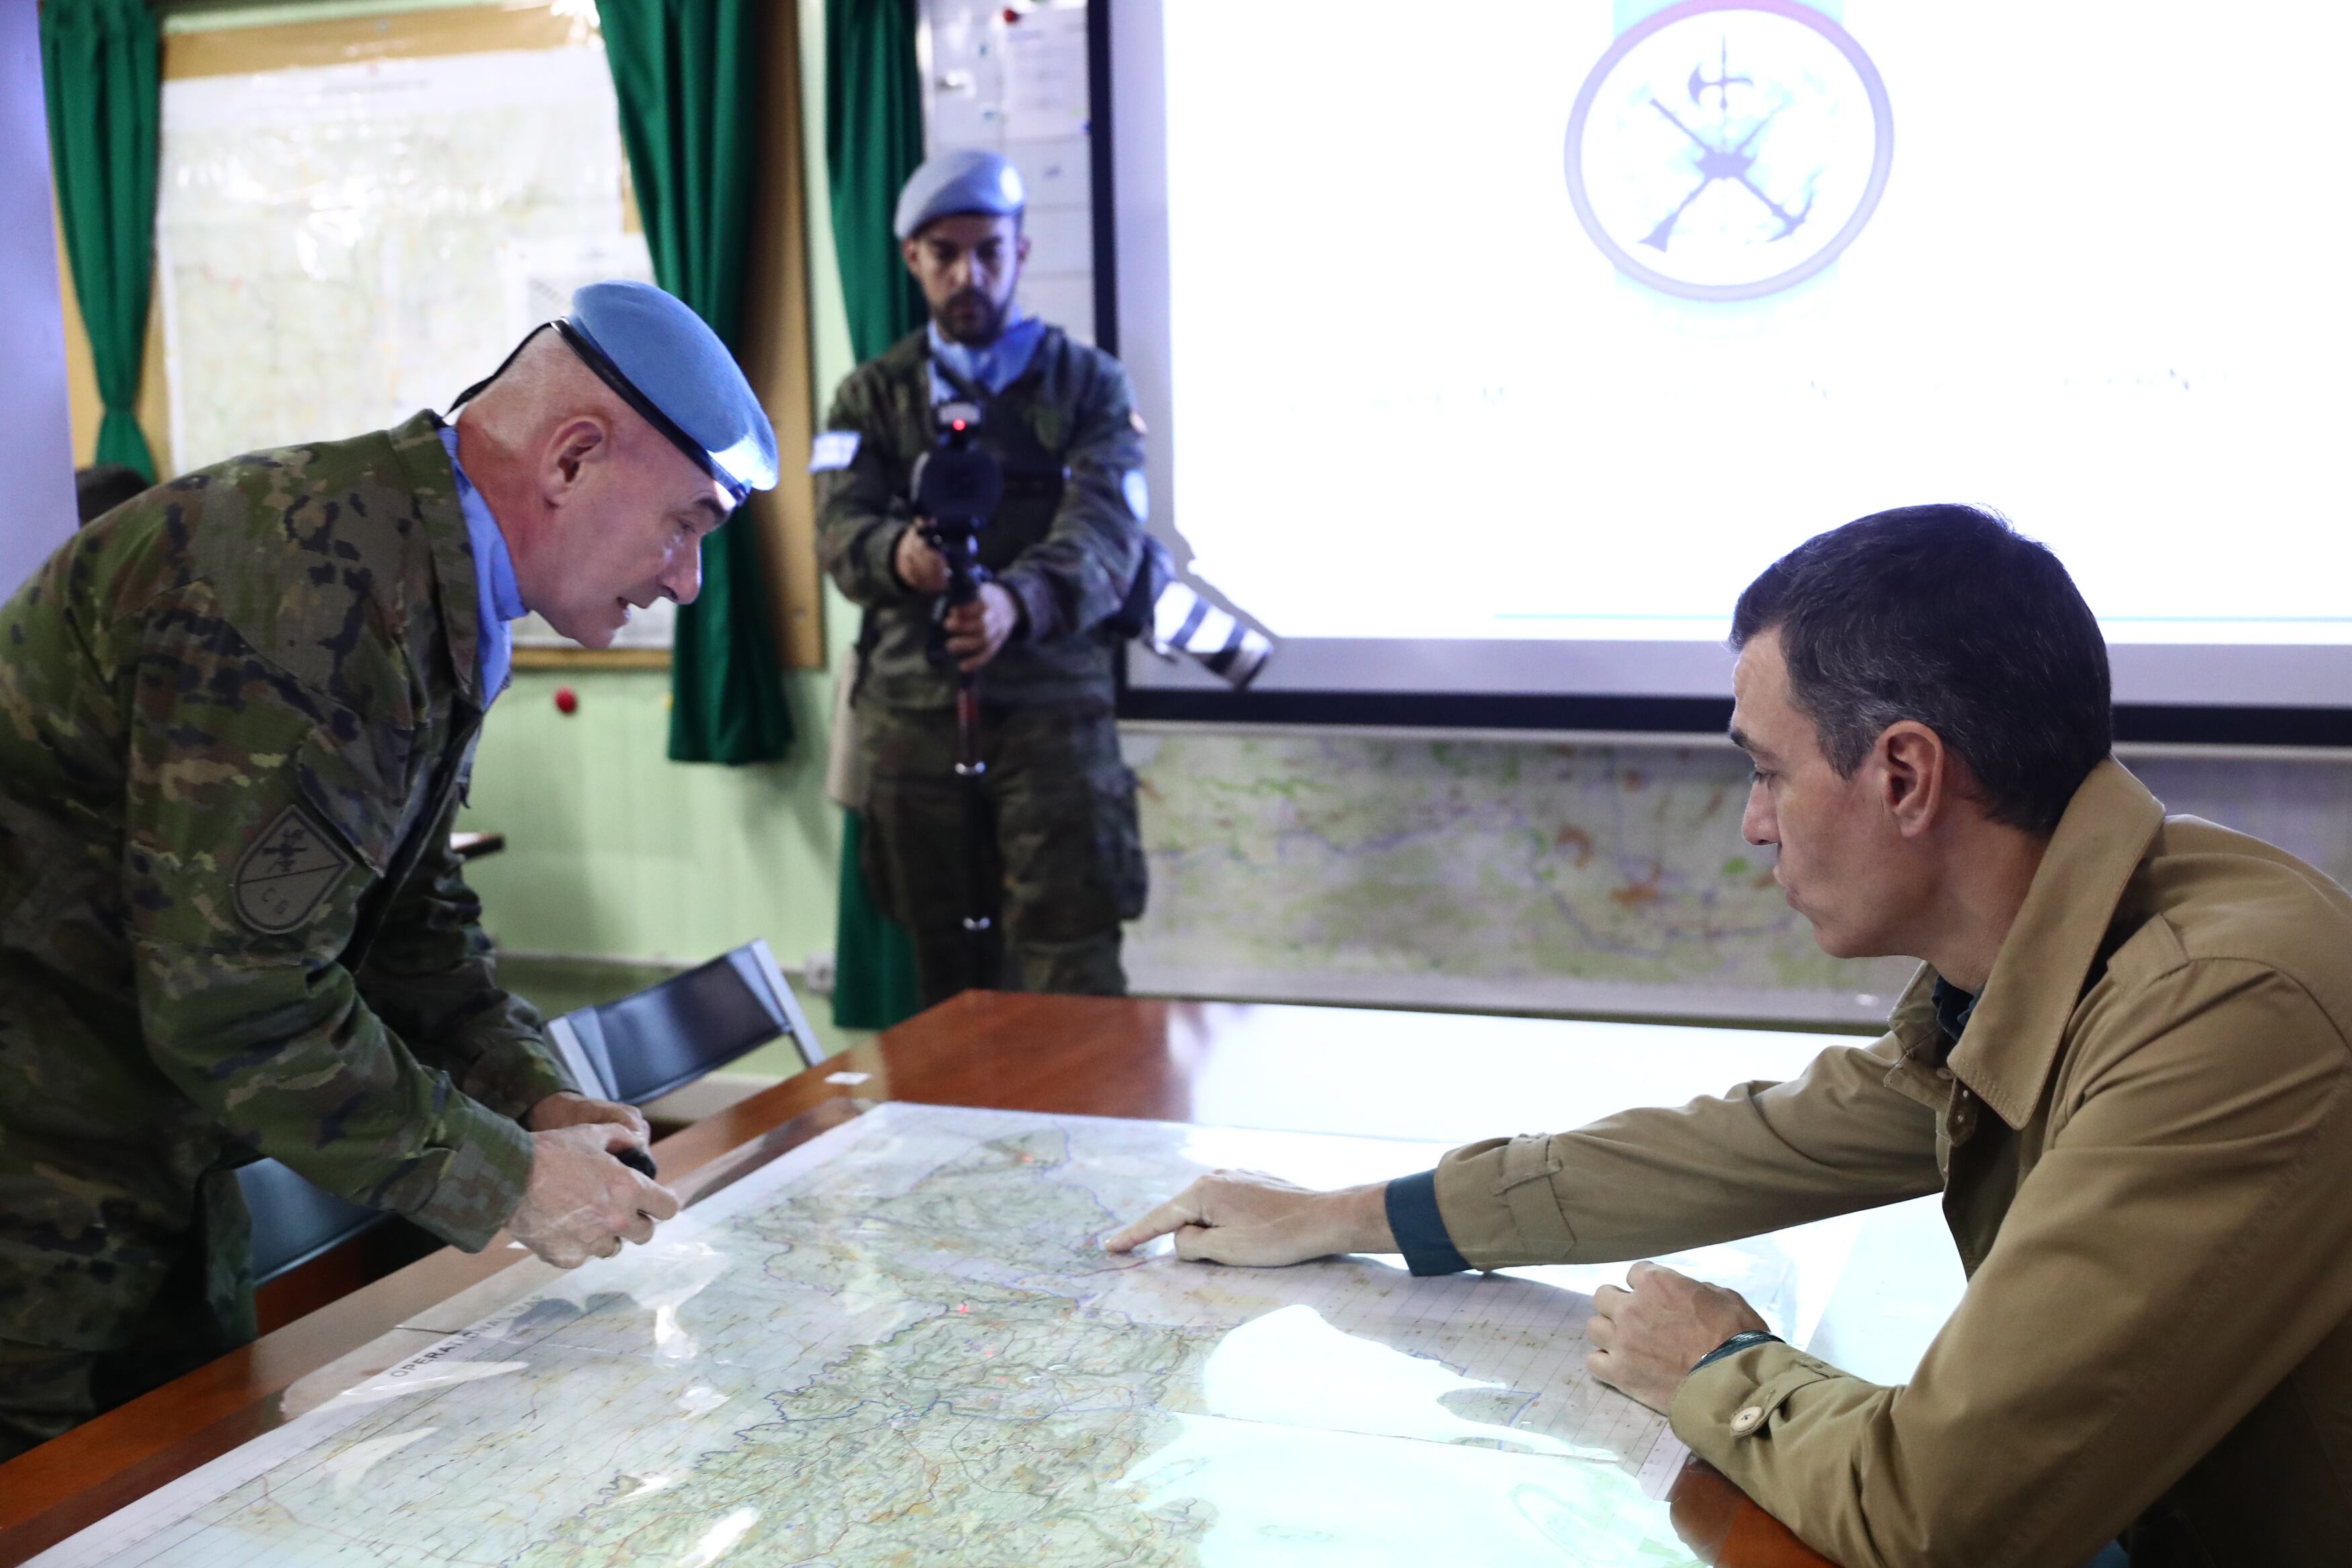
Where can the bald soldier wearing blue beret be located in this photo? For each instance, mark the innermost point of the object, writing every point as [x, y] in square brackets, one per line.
[238, 714]
[1061, 549]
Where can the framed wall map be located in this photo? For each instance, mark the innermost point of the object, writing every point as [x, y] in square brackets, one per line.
[359, 214]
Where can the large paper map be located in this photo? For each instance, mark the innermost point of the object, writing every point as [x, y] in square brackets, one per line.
[340, 246]
[898, 1343]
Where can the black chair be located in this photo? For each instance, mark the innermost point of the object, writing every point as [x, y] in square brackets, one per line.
[294, 1221]
[635, 1050]
[643, 1046]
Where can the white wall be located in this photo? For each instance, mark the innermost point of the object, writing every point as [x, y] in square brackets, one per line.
[37, 492]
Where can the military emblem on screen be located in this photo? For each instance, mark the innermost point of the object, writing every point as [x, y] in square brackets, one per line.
[1729, 149]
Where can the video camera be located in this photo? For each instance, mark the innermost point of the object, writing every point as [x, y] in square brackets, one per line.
[958, 485]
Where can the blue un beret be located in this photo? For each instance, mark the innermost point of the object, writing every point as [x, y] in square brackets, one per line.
[966, 179]
[668, 365]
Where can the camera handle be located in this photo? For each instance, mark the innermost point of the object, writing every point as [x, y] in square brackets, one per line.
[958, 546]
[957, 486]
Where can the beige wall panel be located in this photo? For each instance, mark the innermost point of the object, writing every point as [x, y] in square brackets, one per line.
[776, 351]
[232, 51]
[154, 404]
[154, 408]
[81, 372]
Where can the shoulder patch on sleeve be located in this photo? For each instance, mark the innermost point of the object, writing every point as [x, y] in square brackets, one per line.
[833, 449]
[282, 877]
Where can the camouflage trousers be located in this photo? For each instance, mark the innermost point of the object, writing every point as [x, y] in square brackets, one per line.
[47, 1391]
[1061, 857]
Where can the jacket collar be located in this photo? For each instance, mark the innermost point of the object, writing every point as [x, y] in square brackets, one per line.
[2020, 1017]
[908, 361]
[417, 442]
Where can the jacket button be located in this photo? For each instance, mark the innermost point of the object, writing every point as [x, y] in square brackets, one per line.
[1748, 1420]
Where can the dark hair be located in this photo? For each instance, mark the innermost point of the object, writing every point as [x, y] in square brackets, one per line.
[102, 487]
[1948, 616]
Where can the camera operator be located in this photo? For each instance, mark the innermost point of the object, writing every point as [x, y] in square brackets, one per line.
[1059, 845]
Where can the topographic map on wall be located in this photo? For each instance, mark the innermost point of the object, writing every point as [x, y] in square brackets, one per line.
[900, 1344]
[1496, 875]
[340, 246]
[1522, 875]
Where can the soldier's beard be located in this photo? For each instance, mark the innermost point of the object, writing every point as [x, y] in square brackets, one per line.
[973, 319]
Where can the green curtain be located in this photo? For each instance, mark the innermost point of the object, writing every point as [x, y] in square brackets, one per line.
[873, 140]
[99, 67]
[687, 73]
[874, 964]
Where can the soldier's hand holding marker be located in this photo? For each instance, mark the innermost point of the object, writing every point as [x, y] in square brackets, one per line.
[582, 1202]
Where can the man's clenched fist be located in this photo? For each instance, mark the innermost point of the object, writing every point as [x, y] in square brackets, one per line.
[583, 1203]
[1646, 1338]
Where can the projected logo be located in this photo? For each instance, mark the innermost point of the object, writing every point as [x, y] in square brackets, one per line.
[1729, 149]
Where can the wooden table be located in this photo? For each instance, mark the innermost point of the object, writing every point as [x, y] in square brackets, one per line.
[1398, 1075]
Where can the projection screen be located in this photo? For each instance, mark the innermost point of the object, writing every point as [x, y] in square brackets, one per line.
[1487, 351]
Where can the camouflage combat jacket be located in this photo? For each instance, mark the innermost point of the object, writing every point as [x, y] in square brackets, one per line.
[236, 719]
[1067, 547]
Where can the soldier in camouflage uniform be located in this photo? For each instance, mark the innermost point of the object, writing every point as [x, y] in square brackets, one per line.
[237, 719]
[1063, 549]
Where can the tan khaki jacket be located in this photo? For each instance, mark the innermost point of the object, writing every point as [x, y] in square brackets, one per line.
[2144, 1141]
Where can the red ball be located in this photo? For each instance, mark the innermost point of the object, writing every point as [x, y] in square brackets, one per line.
[567, 701]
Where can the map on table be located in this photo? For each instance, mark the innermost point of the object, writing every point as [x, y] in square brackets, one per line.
[900, 1343]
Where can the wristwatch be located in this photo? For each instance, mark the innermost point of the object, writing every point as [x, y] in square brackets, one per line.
[1738, 1342]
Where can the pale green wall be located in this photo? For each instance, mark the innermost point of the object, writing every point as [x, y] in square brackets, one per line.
[613, 850]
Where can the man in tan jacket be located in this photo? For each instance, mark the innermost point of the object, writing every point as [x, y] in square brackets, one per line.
[2123, 1063]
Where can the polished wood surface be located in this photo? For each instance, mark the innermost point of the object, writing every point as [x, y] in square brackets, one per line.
[1424, 1076]
[1723, 1525]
